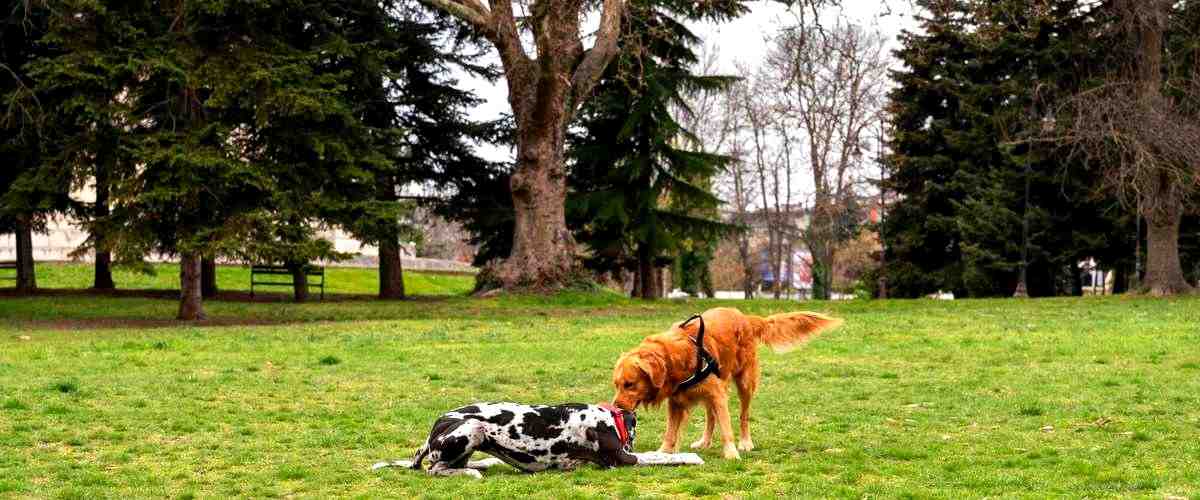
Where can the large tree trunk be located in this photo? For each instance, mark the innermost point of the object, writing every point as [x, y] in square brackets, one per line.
[299, 281]
[103, 279]
[391, 272]
[191, 301]
[648, 280]
[543, 252]
[1164, 271]
[26, 272]
[544, 92]
[208, 277]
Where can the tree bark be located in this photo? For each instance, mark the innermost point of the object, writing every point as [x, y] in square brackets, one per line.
[299, 281]
[636, 290]
[1164, 271]
[102, 280]
[191, 301]
[208, 277]
[26, 272]
[543, 252]
[1148, 22]
[821, 245]
[391, 271]
[647, 278]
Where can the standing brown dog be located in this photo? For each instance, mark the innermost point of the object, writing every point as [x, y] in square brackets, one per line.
[653, 371]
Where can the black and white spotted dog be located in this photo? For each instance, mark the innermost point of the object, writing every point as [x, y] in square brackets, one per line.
[531, 438]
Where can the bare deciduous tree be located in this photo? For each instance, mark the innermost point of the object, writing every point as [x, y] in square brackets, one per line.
[832, 85]
[1136, 130]
[736, 186]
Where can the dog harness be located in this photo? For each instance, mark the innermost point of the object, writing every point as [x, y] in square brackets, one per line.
[619, 417]
[705, 364]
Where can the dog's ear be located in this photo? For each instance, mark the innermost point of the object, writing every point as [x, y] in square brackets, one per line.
[654, 367]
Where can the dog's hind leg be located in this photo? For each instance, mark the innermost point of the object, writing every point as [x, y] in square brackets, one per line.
[719, 402]
[444, 469]
[484, 464]
[747, 384]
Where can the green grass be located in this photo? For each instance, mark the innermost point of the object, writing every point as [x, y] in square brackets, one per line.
[341, 280]
[1072, 398]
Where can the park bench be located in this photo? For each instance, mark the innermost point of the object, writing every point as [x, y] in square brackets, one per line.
[5, 266]
[311, 271]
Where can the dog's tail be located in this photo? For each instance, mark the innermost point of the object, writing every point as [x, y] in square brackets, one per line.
[787, 331]
[420, 456]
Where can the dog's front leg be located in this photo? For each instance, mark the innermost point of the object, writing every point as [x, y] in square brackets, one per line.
[720, 406]
[710, 421]
[677, 415]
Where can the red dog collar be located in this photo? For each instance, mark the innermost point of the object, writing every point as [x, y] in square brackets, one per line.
[618, 416]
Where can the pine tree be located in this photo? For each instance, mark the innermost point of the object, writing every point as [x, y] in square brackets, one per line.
[628, 161]
[28, 195]
[978, 85]
[402, 88]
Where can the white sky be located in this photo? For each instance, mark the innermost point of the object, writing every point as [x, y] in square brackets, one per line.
[743, 38]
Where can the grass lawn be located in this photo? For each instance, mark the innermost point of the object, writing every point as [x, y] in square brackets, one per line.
[340, 280]
[1096, 397]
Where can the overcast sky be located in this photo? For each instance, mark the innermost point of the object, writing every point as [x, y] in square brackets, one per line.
[743, 38]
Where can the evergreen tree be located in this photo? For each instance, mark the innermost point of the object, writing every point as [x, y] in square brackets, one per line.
[977, 86]
[633, 187]
[27, 195]
[402, 88]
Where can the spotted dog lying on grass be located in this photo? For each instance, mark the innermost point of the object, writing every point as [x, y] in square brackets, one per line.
[531, 438]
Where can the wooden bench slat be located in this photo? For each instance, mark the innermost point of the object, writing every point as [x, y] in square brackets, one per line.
[308, 270]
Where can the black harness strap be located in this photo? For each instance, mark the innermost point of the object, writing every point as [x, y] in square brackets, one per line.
[705, 364]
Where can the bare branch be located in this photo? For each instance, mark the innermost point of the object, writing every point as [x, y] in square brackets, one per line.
[471, 11]
[587, 74]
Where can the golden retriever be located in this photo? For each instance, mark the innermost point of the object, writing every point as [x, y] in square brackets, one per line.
[650, 373]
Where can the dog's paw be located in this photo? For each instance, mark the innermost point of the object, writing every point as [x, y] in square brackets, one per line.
[665, 449]
[701, 443]
[731, 453]
[473, 474]
[746, 445]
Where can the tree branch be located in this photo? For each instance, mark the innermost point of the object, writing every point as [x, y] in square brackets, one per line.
[588, 73]
[471, 11]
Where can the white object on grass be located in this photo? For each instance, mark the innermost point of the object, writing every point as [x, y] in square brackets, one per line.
[659, 458]
[395, 463]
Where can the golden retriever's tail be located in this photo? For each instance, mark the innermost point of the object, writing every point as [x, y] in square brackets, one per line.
[786, 331]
